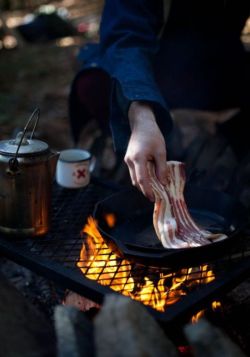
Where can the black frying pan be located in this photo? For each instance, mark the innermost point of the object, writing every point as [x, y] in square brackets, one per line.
[133, 235]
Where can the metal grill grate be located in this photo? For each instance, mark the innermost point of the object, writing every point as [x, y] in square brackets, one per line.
[154, 286]
[72, 259]
[70, 209]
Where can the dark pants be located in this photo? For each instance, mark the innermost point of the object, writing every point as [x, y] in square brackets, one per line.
[89, 100]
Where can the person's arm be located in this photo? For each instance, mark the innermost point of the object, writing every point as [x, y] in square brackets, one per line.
[129, 41]
[146, 144]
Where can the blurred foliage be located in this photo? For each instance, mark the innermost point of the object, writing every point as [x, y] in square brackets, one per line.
[28, 78]
[20, 4]
[40, 74]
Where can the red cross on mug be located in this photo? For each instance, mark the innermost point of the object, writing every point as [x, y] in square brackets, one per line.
[80, 173]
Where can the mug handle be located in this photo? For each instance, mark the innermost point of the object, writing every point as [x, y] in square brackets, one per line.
[92, 164]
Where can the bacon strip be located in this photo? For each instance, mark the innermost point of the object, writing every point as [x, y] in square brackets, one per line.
[173, 224]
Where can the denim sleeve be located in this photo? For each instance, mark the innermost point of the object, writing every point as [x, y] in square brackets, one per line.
[129, 41]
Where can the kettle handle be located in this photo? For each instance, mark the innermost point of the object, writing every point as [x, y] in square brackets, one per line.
[13, 163]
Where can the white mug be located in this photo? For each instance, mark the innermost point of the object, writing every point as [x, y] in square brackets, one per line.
[74, 167]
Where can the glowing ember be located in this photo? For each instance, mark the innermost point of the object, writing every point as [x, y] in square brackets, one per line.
[98, 262]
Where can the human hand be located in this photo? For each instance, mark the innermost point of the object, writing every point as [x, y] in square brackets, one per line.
[146, 144]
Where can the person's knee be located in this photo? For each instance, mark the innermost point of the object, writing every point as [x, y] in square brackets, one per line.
[93, 87]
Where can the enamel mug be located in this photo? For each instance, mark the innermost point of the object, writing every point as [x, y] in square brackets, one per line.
[74, 168]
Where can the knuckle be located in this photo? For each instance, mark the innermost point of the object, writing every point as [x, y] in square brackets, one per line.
[127, 160]
[131, 160]
[136, 158]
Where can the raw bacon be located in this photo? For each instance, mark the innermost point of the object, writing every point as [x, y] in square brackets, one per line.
[173, 224]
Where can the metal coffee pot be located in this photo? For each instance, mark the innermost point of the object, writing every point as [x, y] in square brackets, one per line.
[27, 168]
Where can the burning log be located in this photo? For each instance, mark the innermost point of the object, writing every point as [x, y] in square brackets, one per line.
[173, 224]
[79, 302]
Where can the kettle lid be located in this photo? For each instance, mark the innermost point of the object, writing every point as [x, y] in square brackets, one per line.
[27, 147]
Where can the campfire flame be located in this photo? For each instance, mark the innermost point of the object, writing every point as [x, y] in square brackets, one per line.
[195, 318]
[98, 262]
[215, 305]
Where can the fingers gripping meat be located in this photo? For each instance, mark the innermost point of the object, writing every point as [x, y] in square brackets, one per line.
[173, 224]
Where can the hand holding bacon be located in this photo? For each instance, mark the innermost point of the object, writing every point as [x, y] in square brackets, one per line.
[173, 224]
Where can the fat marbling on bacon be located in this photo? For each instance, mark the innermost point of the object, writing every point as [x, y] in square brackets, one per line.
[173, 224]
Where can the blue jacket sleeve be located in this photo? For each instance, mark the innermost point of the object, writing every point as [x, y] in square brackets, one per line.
[129, 41]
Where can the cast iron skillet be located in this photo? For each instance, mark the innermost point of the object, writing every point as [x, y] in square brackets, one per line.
[133, 235]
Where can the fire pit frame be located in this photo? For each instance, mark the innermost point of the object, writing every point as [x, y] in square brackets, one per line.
[22, 252]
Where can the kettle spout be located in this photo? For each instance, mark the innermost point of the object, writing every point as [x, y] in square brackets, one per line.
[52, 161]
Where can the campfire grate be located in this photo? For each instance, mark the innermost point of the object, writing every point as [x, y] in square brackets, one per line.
[59, 257]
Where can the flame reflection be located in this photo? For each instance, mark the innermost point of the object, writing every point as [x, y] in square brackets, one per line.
[158, 289]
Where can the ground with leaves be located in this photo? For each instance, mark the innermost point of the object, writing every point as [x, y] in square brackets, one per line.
[40, 74]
